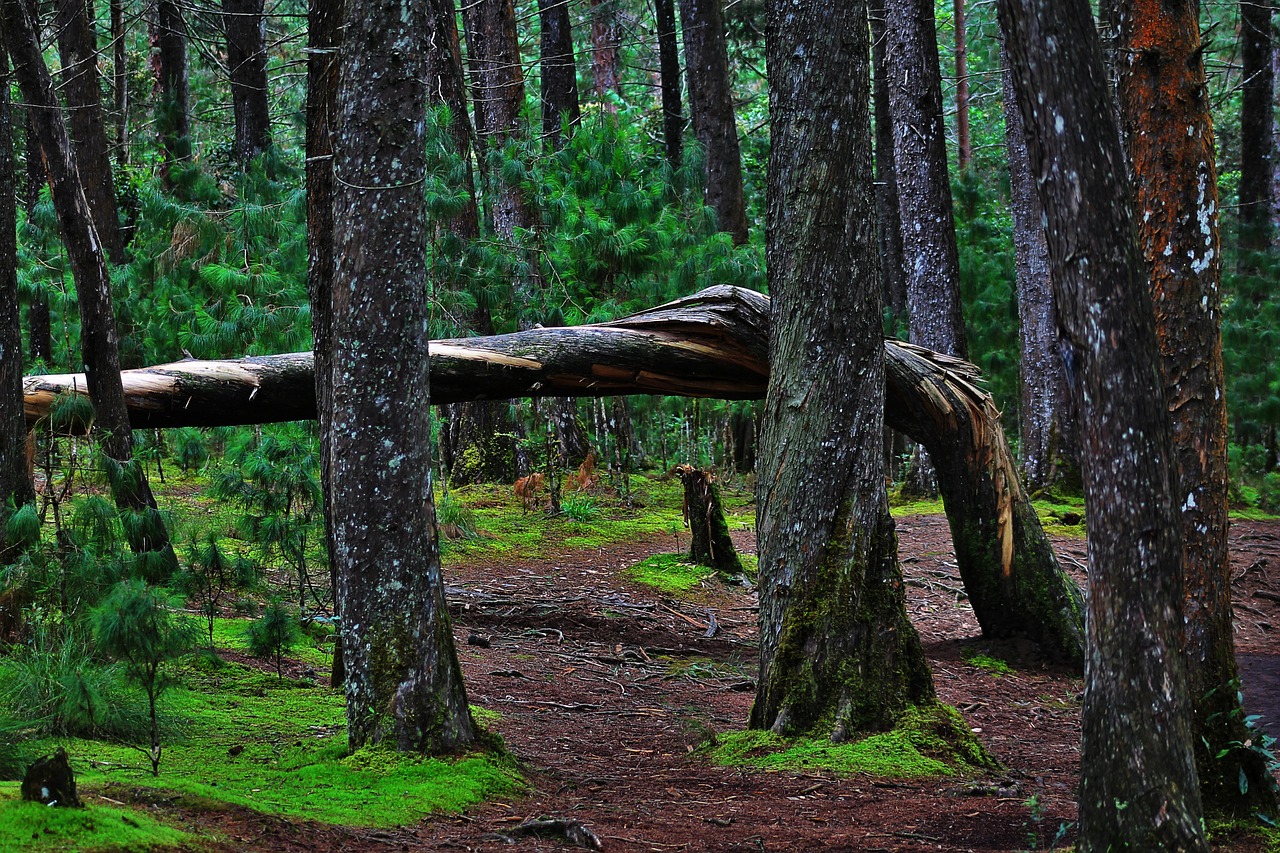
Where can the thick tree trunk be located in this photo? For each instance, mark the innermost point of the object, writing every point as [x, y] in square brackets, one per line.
[1257, 149]
[709, 542]
[1138, 783]
[706, 58]
[1164, 104]
[78, 49]
[247, 67]
[403, 682]
[837, 651]
[15, 485]
[711, 344]
[324, 33]
[669, 68]
[559, 71]
[98, 343]
[892, 262]
[169, 62]
[1047, 437]
[604, 52]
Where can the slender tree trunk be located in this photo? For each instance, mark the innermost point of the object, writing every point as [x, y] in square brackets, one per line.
[78, 49]
[169, 62]
[403, 682]
[559, 71]
[669, 68]
[604, 52]
[98, 342]
[824, 528]
[1138, 784]
[247, 65]
[1257, 151]
[15, 485]
[964, 141]
[892, 262]
[1164, 103]
[1048, 439]
[120, 82]
[324, 34]
[706, 59]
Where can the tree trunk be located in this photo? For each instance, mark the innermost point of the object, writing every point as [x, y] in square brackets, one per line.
[1048, 438]
[144, 526]
[169, 62]
[964, 142]
[1138, 784]
[711, 344]
[604, 52]
[1164, 103]
[892, 261]
[403, 682]
[710, 544]
[706, 58]
[120, 81]
[1257, 154]
[837, 650]
[78, 49]
[559, 72]
[324, 35]
[247, 67]
[15, 485]
[669, 68]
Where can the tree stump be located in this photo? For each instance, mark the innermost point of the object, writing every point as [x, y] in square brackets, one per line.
[707, 527]
[51, 782]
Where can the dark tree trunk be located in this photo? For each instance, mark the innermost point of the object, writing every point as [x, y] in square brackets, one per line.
[669, 68]
[1164, 103]
[892, 262]
[742, 428]
[1257, 150]
[247, 67]
[1138, 784]
[120, 81]
[403, 683]
[40, 329]
[169, 62]
[15, 486]
[710, 544]
[964, 141]
[559, 71]
[78, 49]
[604, 52]
[1048, 441]
[706, 59]
[324, 34]
[837, 650]
[712, 344]
[98, 342]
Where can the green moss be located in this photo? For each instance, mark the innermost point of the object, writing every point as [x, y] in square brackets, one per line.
[671, 573]
[899, 507]
[929, 741]
[34, 827]
[995, 666]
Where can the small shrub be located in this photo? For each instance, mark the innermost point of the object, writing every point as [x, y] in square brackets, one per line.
[456, 520]
[273, 634]
[1269, 492]
[580, 508]
[190, 450]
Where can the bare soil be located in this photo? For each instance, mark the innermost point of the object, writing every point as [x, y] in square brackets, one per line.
[606, 689]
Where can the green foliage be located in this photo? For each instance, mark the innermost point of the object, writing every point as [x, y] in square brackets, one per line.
[273, 633]
[983, 661]
[213, 573]
[36, 828]
[1269, 492]
[580, 508]
[451, 513]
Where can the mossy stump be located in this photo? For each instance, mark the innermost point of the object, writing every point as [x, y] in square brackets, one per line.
[711, 545]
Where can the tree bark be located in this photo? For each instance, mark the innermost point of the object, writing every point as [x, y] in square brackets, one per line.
[403, 682]
[892, 260]
[98, 342]
[120, 81]
[837, 650]
[1047, 445]
[964, 141]
[559, 72]
[169, 62]
[1138, 784]
[604, 52]
[706, 59]
[669, 68]
[15, 486]
[712, 344]
[247, 67]
[1257, 149]
[709, 542]
[78, 49]
[1164, 104]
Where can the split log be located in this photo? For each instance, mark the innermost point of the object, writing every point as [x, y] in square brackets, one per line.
[710, 544]
[713, 344]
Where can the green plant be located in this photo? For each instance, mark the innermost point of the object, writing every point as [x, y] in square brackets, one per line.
[453, 515]
[137, 626]
[580, 508]
[211, 574]
[1035, 828]
[274, 633]
[1269, 492]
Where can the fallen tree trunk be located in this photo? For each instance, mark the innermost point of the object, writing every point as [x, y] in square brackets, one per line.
[712, 344]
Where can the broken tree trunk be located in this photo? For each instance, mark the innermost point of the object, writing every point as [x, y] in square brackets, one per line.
[710, 544]
[711, 344]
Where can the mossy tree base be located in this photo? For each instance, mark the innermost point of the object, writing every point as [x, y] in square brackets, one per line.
[711, 544]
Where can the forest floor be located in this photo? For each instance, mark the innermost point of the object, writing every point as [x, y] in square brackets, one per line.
[607, 689]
